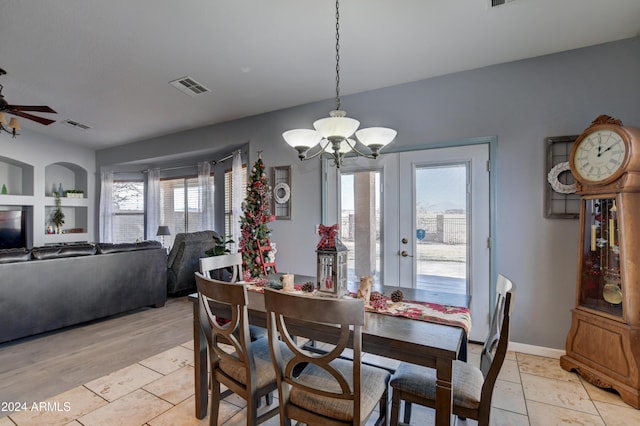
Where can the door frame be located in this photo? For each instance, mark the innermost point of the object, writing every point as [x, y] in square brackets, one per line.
[329, 182]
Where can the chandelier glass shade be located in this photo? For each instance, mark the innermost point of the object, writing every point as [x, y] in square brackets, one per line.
[333, 134]
[12, 127]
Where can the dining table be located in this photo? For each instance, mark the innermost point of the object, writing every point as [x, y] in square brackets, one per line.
[421, 342]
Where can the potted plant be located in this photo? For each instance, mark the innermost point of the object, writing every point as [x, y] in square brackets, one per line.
[220, 244]
[57, 217]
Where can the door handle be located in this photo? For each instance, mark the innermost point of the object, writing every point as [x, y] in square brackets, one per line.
[404, 253]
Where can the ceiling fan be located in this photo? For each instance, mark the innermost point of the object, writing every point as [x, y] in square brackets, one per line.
[19, 110]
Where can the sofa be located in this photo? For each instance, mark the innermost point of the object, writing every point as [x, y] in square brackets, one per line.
[47, 288]
[184, 259]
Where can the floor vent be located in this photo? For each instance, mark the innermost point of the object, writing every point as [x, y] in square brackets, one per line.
[189, 86]
[76, 124]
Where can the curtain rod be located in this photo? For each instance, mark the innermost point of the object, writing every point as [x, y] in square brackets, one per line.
[212, 162]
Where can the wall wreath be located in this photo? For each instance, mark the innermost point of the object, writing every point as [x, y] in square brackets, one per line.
[281, 193]
[556, 185]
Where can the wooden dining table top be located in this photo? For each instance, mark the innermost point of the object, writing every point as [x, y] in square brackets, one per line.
[418, 342]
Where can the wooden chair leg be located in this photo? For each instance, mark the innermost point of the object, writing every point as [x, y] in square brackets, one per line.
[384, 402]
[395, 408]
[407, 412]
[252, 411]
[215, 402]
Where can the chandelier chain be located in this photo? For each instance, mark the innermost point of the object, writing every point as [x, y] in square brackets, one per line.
[338, 103]
[331, 136]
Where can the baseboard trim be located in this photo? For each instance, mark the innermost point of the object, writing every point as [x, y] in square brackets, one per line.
[536, 350]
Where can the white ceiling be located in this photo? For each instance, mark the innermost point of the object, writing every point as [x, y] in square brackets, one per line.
[107, 64]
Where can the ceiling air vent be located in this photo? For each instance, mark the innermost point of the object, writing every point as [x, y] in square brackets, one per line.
[497, 3]
[76, 124]
[189, 86]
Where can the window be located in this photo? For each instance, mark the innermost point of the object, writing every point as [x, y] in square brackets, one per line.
[228, 198]
[128, 209]
[181, 205]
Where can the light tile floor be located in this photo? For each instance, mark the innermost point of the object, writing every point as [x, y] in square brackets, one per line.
[531, 390]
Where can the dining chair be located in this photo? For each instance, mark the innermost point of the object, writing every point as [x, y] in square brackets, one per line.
[328, 390]
[248, 370]
[229, 267]
[472, 386]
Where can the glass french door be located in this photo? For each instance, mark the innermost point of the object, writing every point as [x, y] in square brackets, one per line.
[421, 219]
[443, 225]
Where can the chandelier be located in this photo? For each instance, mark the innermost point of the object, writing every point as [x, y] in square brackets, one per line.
[333, 135]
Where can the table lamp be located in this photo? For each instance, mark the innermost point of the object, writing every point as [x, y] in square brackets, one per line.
[162, 231]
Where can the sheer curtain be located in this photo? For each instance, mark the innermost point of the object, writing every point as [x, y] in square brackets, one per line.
[236, 197]
[106, 207]
[205, 190]
[153, 204]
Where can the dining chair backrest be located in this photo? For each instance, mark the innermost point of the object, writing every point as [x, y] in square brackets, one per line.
[247, 370]
[494, 349]
[347, 315]
[220, 264]
[472, 385]
[235, 331]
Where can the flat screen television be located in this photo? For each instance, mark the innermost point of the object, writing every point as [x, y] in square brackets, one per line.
[13, 229]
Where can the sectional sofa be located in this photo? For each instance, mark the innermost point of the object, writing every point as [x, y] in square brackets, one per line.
[47, 288]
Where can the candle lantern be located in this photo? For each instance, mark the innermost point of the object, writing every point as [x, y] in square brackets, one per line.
[332, 263]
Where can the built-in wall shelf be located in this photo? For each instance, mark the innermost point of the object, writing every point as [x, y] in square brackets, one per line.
[16, 177]
[52, 239]
[66, 201]
[68, 175]
[39, 203]
[16, 200]
[75, 218]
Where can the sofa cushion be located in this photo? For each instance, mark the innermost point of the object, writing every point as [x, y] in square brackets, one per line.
[54, 252]
[118, 247]
[14, 255]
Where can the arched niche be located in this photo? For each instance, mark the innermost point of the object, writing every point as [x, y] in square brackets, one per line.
[16, 176]
[70, 175]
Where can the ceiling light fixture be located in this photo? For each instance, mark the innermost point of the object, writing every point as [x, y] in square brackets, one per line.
[332, 135]
[12, 127]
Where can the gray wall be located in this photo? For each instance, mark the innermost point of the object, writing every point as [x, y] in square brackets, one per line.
[521, 103]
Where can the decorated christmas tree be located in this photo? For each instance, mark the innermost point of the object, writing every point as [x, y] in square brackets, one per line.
[253, 224]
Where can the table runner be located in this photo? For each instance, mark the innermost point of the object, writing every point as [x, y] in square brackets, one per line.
[455, 316]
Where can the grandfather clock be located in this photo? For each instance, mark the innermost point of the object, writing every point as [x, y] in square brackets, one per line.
[603, 344]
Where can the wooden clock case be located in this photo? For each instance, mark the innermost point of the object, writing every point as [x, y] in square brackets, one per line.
[603, 345]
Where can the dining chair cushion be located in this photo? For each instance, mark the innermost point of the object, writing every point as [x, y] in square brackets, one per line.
[421, 381]
[265, 373]
[373, 383]
[256, 332]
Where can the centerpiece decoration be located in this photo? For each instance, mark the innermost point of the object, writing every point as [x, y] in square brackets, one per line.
[253, 224]
[331, 263]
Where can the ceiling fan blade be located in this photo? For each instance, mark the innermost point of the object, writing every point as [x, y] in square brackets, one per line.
[40, 120]
[38, 108]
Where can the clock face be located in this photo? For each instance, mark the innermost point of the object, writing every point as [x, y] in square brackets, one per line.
[599, 155]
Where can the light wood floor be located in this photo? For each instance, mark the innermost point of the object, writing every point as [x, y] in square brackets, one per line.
[36, 368]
